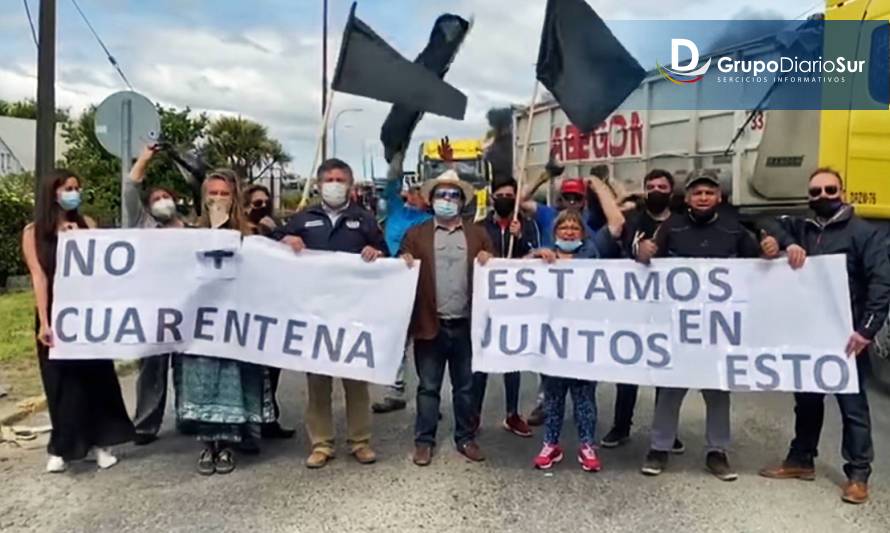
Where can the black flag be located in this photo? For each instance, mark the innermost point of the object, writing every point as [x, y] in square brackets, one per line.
[369, 67]
[448, 34]
[585, 67]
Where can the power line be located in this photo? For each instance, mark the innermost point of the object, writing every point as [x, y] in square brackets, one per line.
[111, 58]
[30, 21]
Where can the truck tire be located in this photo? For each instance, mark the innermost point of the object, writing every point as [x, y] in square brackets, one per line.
[879, 356]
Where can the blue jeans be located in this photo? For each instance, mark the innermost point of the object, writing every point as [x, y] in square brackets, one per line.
[584, 404]
[511, 391]
[856, 444]
[452, 345]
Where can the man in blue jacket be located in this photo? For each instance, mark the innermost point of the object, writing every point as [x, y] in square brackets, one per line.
[406, 207]
[336, 225]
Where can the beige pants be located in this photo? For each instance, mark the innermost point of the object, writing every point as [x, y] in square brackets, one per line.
[320, 419]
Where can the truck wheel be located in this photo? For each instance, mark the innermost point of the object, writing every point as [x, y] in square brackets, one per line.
[880, 357]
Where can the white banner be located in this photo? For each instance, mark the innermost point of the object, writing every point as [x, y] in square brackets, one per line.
[132, 293]
[734, 324]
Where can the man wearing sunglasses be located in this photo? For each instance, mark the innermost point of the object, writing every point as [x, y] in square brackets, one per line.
[836, 230]
[447, 248]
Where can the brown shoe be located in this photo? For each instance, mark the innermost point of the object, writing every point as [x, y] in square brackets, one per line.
[423, 454]
[789, 471]
[471, 451]
[317, 459]
[855, 492]
[365, 455]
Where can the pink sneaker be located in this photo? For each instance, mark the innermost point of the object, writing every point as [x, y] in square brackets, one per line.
[588, 459]
[549, 455]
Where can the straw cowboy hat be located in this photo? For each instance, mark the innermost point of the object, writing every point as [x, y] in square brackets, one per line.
[449, 177]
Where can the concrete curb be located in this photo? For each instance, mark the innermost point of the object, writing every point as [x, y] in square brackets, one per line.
[35, 404]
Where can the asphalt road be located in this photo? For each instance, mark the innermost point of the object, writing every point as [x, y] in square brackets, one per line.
[155, 488]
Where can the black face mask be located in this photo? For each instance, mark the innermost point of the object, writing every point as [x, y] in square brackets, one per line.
[257, 214]
[703, 217]
[826, 207]
[504, 206]
[657, 201]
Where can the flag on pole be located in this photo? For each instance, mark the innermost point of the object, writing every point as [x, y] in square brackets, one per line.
[369, 67]
[581, 62]
[446, 38]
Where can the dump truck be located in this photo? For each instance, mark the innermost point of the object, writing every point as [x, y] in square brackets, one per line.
[763, 157]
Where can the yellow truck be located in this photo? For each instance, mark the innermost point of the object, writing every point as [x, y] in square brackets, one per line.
[469, 161]
[763, 157]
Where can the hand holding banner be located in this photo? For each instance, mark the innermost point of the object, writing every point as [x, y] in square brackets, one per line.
[729, 324]
[135, 293]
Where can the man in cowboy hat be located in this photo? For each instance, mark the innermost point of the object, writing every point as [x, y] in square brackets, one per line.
[447, 247]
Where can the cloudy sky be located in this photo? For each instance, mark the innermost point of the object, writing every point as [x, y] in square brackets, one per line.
[262, 58]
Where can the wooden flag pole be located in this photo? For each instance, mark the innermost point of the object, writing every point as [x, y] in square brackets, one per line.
[322, 130]
[523, 161]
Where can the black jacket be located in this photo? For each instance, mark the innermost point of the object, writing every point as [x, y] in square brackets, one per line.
[355, 229]
[529, 239]
[868, 265]
[721, 237]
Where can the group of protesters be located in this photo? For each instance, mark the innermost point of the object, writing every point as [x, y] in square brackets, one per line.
[230, 405]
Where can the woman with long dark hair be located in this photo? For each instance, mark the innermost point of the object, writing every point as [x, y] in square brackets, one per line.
[84, 397]
[223, 401]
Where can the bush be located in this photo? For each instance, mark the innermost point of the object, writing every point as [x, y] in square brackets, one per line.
[16, 210]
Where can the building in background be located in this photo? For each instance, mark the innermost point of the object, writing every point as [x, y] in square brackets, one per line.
[18, 138]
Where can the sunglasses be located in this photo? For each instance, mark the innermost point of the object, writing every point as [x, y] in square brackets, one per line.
[830, 190]
[447, 195]
[259, 204]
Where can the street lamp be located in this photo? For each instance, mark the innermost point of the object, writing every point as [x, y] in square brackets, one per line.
[334, 128]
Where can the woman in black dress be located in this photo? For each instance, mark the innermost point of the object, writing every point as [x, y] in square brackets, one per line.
[84, 397]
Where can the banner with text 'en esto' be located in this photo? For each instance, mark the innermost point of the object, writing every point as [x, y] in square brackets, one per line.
[734, 324]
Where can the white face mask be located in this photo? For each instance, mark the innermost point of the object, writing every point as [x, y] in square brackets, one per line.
[334, 193]
[218, 210]
[163, 209]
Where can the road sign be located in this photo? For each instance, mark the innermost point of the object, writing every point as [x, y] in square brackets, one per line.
[126, 122]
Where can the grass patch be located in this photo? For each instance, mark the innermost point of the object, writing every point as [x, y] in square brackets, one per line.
[18, 358]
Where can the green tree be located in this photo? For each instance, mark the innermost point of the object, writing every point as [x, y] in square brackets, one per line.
[244, 146]
[28, 109]
[101, 170]
[16, 208]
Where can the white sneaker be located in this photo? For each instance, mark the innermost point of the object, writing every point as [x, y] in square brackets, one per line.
[104, 458]
[55, 464]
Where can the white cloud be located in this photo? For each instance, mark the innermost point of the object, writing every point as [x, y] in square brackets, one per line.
[272, 76]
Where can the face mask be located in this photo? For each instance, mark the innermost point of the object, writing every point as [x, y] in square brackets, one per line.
[657, 201]
[163, 209]
[445, 208]
[218, 209]
[334, 193]
[257, 214]
[69, 200]
[504, 206]
[568, 246]
[703, 217]
[826, 207]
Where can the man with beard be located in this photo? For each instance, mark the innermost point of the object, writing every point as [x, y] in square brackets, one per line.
[836, 230]
[637, 238]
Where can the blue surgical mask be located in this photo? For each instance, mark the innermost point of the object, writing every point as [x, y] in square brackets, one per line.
[569, 247]
[69, 200]
[445, 208]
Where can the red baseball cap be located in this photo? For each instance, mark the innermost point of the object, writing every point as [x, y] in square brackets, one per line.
[573, 186]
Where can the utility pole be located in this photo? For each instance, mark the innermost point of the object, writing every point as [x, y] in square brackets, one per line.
[324, 77]
[46, 93]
